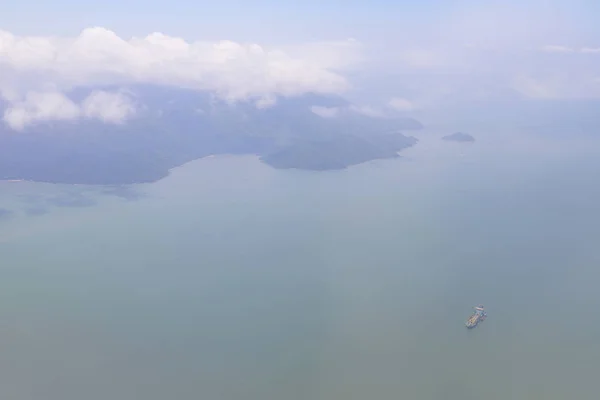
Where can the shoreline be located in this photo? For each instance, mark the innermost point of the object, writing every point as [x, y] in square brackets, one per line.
[168, 171]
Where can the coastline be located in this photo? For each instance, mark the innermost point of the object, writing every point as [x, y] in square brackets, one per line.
[165, 173]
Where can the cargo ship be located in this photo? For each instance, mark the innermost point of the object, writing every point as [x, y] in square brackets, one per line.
[478, 316]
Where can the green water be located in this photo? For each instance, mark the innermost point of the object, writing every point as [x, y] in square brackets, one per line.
[231, 280]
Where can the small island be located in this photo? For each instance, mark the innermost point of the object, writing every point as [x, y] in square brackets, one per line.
[339, 152]
[459, 137]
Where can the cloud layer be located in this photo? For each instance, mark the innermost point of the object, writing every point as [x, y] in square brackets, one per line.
[232, 69]
[565, 49]
[36, 107]
[35, 71]
[490, 51]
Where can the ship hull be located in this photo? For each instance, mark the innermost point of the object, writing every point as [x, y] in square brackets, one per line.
[475, 318]
[474, 321]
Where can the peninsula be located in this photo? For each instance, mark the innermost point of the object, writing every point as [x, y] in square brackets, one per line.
[175, 126]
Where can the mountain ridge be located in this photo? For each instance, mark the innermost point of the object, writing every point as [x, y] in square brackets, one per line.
[175, 126]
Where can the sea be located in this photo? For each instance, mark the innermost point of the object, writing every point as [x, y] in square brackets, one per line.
[231, 280]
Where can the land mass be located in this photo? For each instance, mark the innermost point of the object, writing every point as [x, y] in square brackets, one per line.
[337, 153]
[459, 137]
[175, 126]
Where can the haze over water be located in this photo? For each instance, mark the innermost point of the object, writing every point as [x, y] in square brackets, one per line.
[232, 280]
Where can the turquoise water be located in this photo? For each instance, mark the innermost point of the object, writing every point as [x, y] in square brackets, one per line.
[232, 280]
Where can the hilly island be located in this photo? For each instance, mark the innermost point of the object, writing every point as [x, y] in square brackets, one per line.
[175, 126]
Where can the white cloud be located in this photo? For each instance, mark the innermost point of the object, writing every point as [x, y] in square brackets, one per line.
[564, 49]
[471, 56]
[108, 107]
[590, 50]
[400, 104]
[233, 70]
[557, 49]
[325, 112]
[34, 71]
[367, 110]
[37, 107]
[266, 101]
[475, 58]
[332, 112]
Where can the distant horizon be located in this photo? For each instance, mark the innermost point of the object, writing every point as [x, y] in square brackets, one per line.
[418, 58]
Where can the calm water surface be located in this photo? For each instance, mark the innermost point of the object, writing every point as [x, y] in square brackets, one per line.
[231, 280]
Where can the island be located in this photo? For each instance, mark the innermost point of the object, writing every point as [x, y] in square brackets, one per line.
[459, 137]
[335, 154]
[175, 126]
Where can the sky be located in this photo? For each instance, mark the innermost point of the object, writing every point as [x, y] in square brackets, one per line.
[258, 20]
[387, 55]
[296, 21]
